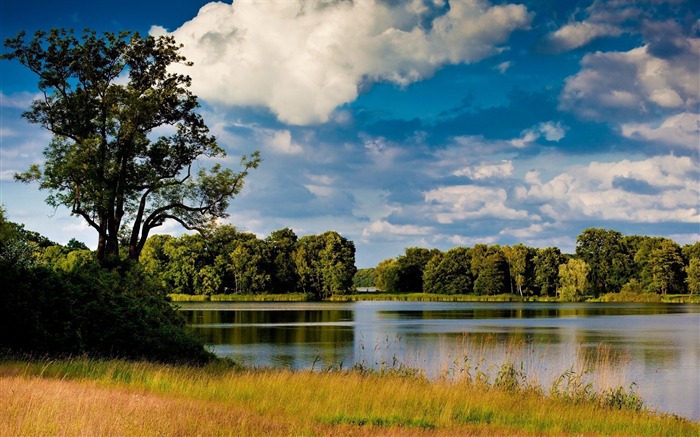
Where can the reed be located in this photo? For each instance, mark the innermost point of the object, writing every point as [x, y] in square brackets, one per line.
[88, 397]
[287, 297]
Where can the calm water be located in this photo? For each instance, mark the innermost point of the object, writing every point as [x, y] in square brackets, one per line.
[653, 345]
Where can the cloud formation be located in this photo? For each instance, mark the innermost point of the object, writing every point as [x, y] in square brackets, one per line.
[681, 129]
[577, 34]
[503, 169]
[303, 59]
[636, 84]
[654, 190]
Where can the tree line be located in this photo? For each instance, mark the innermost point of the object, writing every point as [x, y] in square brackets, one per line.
[227, 261]
[604, 261]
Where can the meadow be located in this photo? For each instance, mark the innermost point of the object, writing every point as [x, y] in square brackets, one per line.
[111, 397]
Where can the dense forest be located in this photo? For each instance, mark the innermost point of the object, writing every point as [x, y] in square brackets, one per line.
[226, 261]
[605, 261]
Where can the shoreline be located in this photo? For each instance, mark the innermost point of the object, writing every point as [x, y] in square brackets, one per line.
[427, 297]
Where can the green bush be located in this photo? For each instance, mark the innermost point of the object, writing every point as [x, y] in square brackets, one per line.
[89, 310]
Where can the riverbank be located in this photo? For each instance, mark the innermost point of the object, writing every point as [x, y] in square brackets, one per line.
[428, 297]
[85, 397]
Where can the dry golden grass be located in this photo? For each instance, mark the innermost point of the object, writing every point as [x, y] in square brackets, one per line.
[113, 398]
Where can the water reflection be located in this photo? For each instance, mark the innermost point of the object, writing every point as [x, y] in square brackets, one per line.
[656, 346]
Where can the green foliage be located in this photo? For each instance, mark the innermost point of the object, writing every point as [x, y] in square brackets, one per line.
[365, 278]
[81, 308]
[281, 244]
[103, 163]
[572, 386]
[387, 275]
[630, 296]
[510, 378]
[250, 263]
[492, 272]
[449, 272]
[633, 286]
[608, 258]
[693, 275]
[325, 264]
[546, 264]
[573, 278]
[622, 399]
[410, 267]
[667, 268]
[225, 261]
[520, 267]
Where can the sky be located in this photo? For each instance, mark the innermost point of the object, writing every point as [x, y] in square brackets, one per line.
[415, 123]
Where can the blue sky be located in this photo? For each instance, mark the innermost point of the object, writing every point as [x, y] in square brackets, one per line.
[419, 122]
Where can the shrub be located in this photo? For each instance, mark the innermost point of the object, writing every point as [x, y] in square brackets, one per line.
[110, 313]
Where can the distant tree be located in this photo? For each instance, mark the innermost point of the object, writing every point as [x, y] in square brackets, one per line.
[691, 251]
[102, 97]
[410, 268]
[154, 259]
[633, 286]
[489, 269]
[667, 268]
[387, 275]
[184, 255]
[74, 244]
[251, 266]
[338, 262]
[281, 245]
[449, 272]
[692, 279]
[325, 264]
[573, 278]
[607, 257]
[632, 244]
[365, 278]
[519, 258]
[546, 265]
[660, 265]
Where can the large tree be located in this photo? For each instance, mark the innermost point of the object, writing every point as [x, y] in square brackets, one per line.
[547, 262]
[449, 272]
[519, 259]
[102, 98]
[573, 277]
[410, 268]
[610, 262]
[281, 245]
[325, 264]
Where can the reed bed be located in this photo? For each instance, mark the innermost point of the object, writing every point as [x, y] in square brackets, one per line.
[89, 397]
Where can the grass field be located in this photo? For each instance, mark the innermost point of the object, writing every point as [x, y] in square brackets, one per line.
[87, 397]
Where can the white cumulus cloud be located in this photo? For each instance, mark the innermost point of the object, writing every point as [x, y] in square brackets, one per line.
[302, 59]
[577, 34]
[654, 190]
[681, 129]
[630, 85]
[384, 228]
[465, 202]
[549, 130]
[503, 169]
[280, 141]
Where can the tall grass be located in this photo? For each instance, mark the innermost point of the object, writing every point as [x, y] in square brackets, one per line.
[287, 297]
[86, 397]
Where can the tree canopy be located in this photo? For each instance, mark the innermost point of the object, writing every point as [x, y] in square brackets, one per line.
[126, 133]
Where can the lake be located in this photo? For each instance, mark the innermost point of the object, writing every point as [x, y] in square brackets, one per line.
[654, 346]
